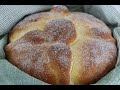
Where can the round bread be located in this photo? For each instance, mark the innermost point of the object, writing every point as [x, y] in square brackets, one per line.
[62, 47]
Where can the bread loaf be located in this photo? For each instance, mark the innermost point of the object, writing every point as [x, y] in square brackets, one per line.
[62, 47]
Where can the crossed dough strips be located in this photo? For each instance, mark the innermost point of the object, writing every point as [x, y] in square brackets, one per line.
[73, 48]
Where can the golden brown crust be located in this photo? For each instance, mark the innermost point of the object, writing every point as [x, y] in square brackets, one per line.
[98, 61]
[62, 47]
[37, 37]
[49, 62]
[60, 56]
[61, 30]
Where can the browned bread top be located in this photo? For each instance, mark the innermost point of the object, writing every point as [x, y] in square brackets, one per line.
[62, 47]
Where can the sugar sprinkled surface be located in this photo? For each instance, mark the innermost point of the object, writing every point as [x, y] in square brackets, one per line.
[37, 49]
[61, 54]
[31, 56]
[61, 29]
[95, 54]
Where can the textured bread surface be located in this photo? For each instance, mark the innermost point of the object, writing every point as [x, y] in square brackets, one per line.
[62, 47]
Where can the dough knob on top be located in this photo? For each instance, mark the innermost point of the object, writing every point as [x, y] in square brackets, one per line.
[59, 8]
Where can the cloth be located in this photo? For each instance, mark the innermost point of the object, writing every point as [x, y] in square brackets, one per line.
[11, 14]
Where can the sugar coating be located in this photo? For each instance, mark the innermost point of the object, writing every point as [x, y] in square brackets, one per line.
[47, 56]
[60, 53]
[99, 33]
[97, 56]
[61, 29]
[37, 37]
[98, 51]
[32, 58]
